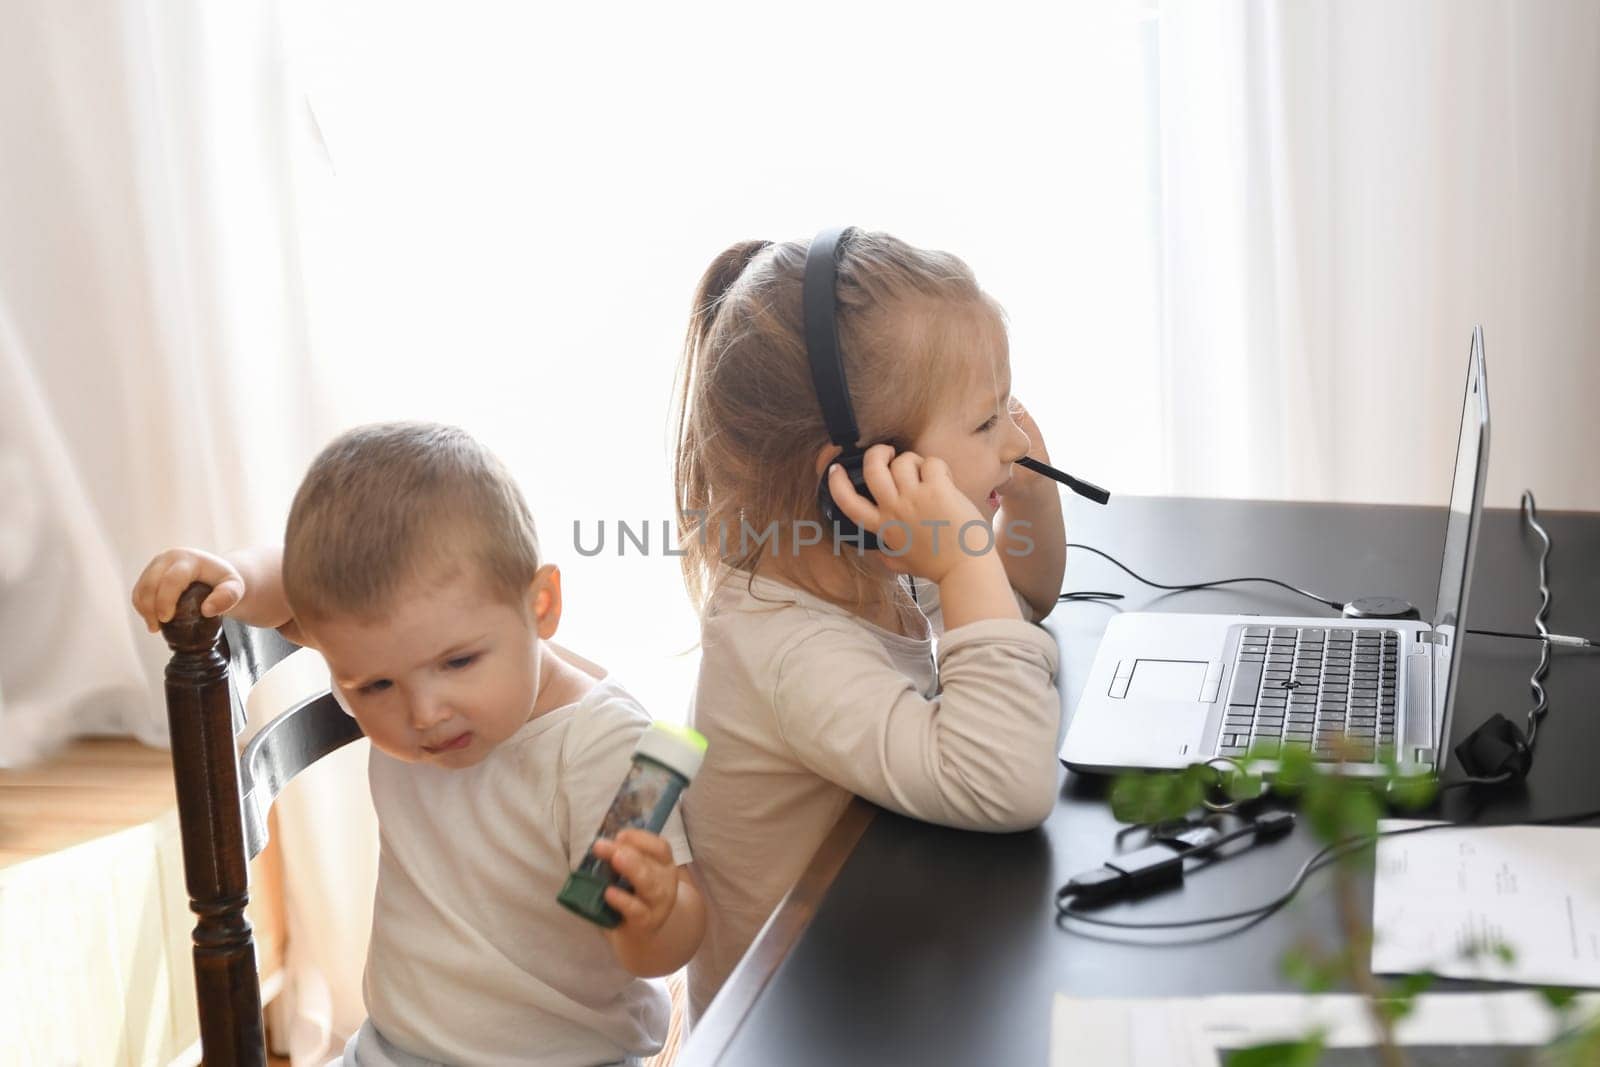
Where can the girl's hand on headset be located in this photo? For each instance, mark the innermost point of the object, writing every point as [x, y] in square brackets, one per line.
[917, 511]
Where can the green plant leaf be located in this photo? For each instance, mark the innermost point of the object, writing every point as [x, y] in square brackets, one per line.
[1578, 1047]
[1149, 798]
[1320, 804]
[1411, 792]
[1410, 985]
[1247, 784]
[1310, 971]
[1558, 997]
[1302, 1053]
[1193, 783]
[1295, 770]
[1358, 810]
[1395, 1008]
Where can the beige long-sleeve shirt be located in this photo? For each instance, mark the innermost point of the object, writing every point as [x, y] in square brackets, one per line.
[804, 704]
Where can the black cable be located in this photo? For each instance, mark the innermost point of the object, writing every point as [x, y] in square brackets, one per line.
[1321, 858]
[1530, 515]
[1541, 704]
[1462, 783]
[1064, 907]
[1088, 595]
[1191, 587]
[1566, 640]
[1081, 595]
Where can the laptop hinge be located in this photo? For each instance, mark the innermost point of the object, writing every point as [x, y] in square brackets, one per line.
[1433, 637]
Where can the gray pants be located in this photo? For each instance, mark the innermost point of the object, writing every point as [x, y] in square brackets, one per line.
[368, 1048]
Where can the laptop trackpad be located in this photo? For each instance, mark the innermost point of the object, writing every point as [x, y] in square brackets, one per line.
[1167, 679]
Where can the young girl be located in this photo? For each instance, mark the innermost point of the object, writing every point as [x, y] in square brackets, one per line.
[910, 676]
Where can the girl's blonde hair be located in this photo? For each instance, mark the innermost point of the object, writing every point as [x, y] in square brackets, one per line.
[748, 423]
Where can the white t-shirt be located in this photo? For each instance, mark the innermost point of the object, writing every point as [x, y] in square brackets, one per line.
[472, 961]
[805, 704]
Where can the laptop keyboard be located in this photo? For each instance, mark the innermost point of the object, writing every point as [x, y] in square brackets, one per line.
[1329, 690]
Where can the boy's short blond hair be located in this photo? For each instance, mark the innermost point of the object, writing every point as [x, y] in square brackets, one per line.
[387, 503]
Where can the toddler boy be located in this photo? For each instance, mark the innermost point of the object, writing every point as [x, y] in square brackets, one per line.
[410, 562]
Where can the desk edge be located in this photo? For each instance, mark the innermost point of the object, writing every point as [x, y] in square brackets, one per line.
[713, 1034]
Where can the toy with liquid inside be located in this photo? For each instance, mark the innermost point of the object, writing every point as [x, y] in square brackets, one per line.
[664, 763]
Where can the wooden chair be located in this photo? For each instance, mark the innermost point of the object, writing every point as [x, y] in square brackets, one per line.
[223, 799]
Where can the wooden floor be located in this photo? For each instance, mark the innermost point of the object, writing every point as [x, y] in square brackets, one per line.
[99, 785]
[94, 787]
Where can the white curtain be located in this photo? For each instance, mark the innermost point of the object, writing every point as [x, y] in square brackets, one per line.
[149, 278]
[1346, 189]
[67, 659]
[156, 389]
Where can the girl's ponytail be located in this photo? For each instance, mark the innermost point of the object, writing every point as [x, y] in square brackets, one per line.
[714, 284]
[691, 489]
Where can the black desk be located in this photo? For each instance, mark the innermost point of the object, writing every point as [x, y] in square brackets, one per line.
[912, 944]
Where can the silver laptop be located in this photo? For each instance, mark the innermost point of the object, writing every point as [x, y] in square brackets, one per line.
[1169, 690]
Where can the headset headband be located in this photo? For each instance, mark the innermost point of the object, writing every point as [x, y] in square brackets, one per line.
[822, 335]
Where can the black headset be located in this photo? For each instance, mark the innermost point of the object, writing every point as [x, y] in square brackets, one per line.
[819, 295]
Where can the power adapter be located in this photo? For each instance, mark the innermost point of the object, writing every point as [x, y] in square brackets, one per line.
[1160, 866]
[1146, 870]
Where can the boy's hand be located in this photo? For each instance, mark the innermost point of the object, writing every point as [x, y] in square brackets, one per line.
[155, 594]
[645, 860]
[916, 511]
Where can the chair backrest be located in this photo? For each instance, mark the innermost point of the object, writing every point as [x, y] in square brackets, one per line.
[222, 808]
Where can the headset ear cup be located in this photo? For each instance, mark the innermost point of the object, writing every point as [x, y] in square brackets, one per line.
[835, 520]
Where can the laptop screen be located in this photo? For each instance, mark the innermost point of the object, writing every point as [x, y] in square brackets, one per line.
[1460, 537]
